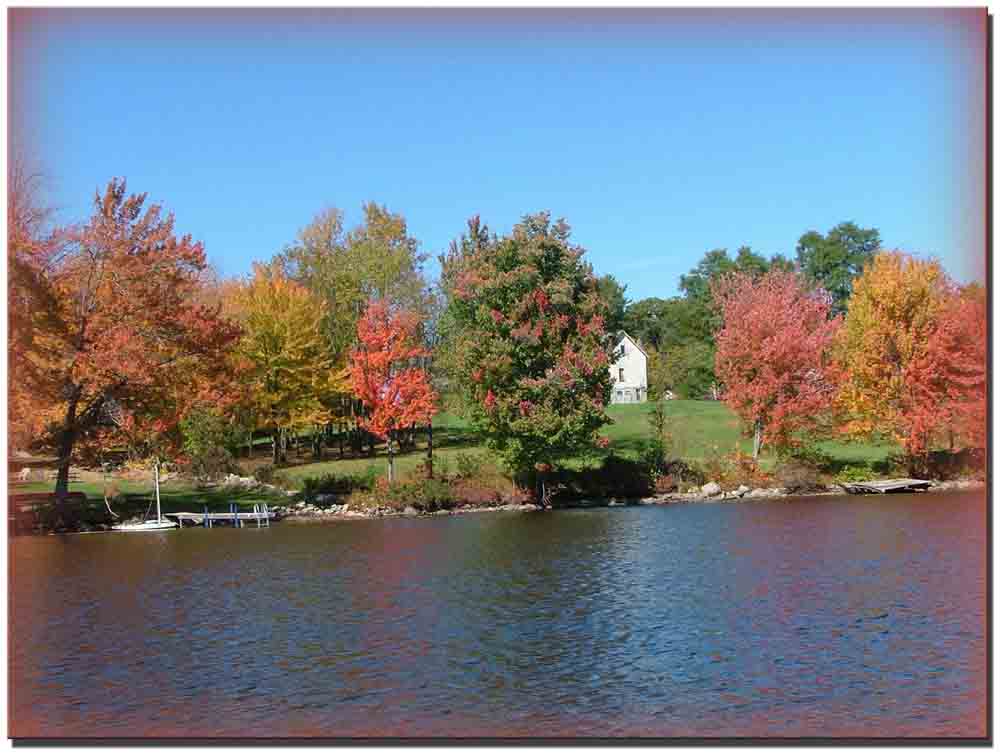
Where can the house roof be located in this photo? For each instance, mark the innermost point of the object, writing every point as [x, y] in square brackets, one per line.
[622, 335]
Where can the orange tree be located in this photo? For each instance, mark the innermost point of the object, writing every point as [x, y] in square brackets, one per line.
[890, 382]
[121, 338]
[387, 374]
[771, 354]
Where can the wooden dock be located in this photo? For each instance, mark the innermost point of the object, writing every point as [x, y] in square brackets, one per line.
[233, 518]
[895, 485]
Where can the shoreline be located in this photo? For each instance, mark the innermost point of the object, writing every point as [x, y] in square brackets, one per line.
[301, 513]
[315, 514]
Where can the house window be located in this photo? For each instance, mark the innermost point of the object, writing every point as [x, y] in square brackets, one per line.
[619, 395]
[621, 375]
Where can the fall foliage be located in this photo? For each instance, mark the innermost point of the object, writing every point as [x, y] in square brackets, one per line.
[121, 340]
[949, 381]
[287, 372]
[531, 350]
[771, 354]
[122, 336]
[386, 374]
[892, 314]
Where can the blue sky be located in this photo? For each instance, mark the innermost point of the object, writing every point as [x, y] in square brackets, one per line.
[657, 134]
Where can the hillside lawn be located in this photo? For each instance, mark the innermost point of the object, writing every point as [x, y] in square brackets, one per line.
[697, 430]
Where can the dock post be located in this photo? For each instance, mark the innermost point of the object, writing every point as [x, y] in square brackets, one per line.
[267, 517]
[236, 519]
[208, 522]
[256, 511]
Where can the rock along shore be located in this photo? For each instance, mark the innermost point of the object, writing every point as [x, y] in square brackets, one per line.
[326, 508]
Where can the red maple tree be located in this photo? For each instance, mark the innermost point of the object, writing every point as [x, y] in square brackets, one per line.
[771, 353]
[948, 382]
[386, 374]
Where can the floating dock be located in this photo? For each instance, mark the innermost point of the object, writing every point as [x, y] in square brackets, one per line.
[895, 485]
[234, 517]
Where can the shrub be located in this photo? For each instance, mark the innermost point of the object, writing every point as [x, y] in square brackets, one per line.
[733, 469]
[857, 472]
[209, 442]
[616, 477]
[653, 456]
[685, 473]
[798, 477]
[471, 465]
[949, 465]
[339, 485]
[813, 456]
[664, 484]
[265, 473]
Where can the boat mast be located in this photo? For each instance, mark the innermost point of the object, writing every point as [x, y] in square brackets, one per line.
[156, 478]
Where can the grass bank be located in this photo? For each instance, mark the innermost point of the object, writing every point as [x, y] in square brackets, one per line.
[698, 431]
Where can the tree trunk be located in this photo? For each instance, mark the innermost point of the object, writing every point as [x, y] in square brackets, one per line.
[66, 440]
[430, 450]
[388, 448]
[340, 437]
[758, 433]
[275, 446]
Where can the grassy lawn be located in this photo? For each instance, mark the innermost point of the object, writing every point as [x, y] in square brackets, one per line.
[697, 430]
[175, 495]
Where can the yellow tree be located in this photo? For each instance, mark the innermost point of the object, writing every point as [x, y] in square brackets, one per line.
[287, 372]
[892, 313]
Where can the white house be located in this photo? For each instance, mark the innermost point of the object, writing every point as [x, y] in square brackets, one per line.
[628, 371]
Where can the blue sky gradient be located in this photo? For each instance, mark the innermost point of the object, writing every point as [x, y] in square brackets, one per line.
[657, 134]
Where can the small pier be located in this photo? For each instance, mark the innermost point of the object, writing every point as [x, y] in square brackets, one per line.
[895, 485]
[234, 518]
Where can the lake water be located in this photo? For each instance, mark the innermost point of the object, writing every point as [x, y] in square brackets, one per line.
[840, 616]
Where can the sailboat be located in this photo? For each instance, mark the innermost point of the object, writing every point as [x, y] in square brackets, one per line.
[159, 523]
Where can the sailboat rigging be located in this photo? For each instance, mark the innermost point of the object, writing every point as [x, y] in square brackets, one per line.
[159, 523]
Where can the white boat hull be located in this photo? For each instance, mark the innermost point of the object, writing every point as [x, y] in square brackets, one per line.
[140, 527]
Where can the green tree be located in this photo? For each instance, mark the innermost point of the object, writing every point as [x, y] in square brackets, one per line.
[376, 260]
[680, 331]
[835, 260]
[210, 441]
[531, 345]
[613, 294]
[689, 370]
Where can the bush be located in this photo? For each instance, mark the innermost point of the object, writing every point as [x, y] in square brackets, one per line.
[951, 465]
[471, 465]
[616, 477]
[653, 456]
[272, 476]
[684, 473]
[857, 472]
[209, 442]
[798, 477]
[338, 485]
[811, 455]
[423, 495]
[265, 473]
[733, 469]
